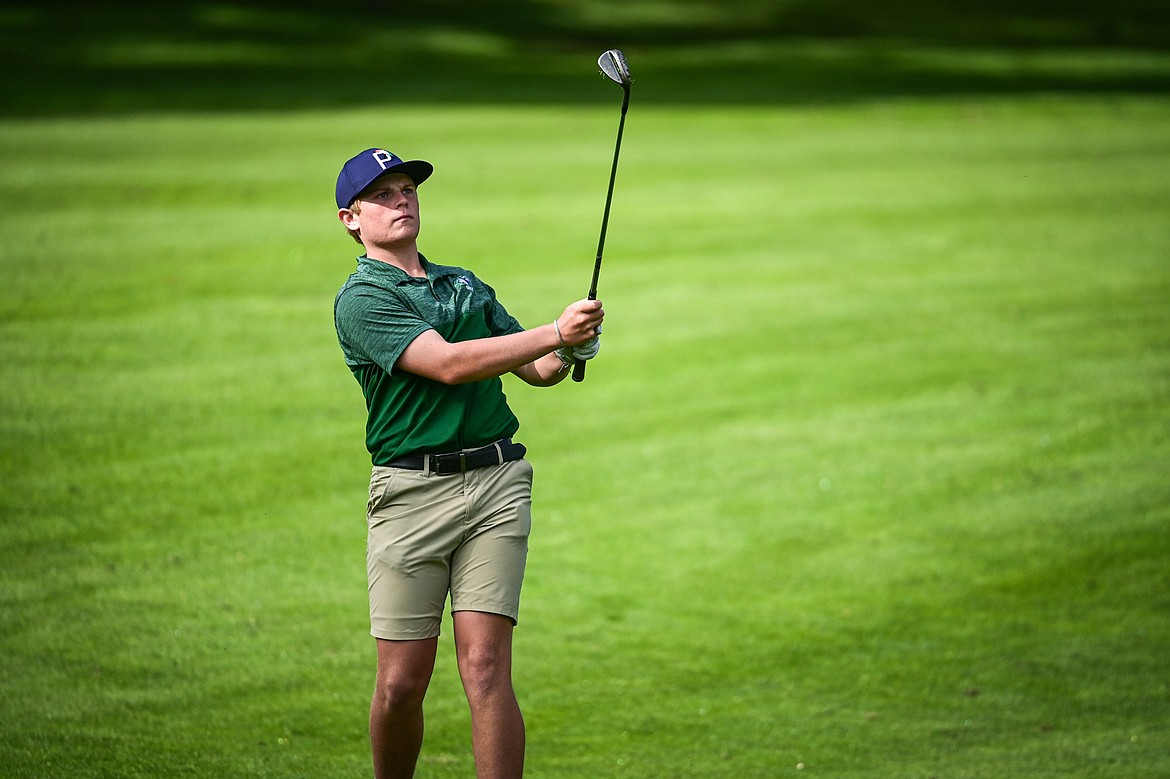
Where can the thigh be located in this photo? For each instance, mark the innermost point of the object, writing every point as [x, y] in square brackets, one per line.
[483, 644]
[414, 524]
[487, 570]
[406, 665]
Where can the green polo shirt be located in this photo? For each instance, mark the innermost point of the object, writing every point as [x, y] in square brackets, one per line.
[378, 311]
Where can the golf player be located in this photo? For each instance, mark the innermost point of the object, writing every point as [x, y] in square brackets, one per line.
[450, 495]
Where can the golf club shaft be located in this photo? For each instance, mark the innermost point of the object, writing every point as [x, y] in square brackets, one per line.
[579, 368]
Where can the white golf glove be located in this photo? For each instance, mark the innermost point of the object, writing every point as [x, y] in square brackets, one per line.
[588, 350]
[570, 356]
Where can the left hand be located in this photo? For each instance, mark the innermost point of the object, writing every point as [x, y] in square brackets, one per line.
[588, 350]
[571, 355]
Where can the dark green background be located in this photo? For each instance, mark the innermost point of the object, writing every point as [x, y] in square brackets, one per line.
[67, 57]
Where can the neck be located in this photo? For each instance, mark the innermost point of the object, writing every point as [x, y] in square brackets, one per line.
[406, 260]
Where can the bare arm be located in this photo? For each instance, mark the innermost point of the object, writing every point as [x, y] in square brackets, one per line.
[527, 354]
[544, 372]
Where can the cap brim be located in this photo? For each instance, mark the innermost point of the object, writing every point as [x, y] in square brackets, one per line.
[418, 170]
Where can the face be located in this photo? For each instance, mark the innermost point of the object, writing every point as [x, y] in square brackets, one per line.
[388, 217]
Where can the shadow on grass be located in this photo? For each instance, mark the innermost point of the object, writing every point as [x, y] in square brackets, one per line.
[80, 57]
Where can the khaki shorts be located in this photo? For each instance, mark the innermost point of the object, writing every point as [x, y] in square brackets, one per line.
[466, 534]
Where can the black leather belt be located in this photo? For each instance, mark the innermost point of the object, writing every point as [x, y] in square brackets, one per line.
[498, 453]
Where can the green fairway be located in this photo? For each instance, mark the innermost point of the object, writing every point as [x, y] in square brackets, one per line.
[870, 479]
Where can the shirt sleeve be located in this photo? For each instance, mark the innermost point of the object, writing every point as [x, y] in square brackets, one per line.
[499, 321]
[375, 326]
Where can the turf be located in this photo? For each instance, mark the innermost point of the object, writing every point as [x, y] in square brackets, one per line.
[870, 478]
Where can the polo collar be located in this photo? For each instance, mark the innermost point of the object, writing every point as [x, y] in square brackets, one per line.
[392, 274]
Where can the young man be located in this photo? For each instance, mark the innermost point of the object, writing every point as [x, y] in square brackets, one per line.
[450, 495]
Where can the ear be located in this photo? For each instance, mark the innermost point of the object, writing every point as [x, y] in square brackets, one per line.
[348, 218]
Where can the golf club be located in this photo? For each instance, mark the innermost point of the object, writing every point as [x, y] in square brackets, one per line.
[613, 64]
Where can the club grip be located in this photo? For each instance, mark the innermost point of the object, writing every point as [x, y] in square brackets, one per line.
[579, 371]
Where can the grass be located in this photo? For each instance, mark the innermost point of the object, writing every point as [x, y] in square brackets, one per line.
[869, 479]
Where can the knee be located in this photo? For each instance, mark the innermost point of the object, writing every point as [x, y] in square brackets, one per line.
[399, 694]
[484, 669]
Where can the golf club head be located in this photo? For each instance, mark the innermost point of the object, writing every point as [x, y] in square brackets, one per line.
[613, 64]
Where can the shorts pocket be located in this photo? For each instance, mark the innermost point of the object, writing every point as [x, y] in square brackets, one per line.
[381, 489]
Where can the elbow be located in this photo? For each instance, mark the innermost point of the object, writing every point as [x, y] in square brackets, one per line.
[430, 357]
[452, 377]
[454, 372]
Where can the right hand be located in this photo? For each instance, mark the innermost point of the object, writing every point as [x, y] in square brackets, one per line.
[580, 322]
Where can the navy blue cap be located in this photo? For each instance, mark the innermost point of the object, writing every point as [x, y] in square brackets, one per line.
[360, 171]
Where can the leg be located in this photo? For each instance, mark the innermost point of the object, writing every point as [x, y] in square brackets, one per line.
[483, 644]
[411, 531]
[396, 712]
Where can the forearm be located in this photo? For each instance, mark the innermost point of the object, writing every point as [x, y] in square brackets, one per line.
[528, 354]
[544, 371]
[462, 362]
